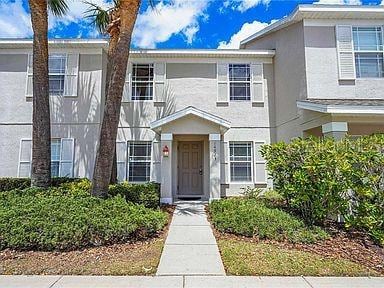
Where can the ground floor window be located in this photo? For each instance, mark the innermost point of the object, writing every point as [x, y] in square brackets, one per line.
[134, 161]
[240, 158]
[62, 150]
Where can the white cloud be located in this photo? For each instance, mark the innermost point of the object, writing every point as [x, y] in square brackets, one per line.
[245, 31]
[242, 5]
[14, 20]
[339, 2]
[169, 18]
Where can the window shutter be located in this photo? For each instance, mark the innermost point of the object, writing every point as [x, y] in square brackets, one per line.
[66, 157]
[159, 75]
[260, 165]
[222, 83]
[25, 158]
[121, 158]
[127, 84]
[345, 55]
[257, 83]
[71, 75]
[29, 80]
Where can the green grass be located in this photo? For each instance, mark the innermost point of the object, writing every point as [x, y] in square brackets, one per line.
[262, 259]
[252, 218]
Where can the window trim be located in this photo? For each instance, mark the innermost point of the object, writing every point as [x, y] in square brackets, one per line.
[229, 82]
[128, 162]
[252, 163]
[132, 64]
[367, 51]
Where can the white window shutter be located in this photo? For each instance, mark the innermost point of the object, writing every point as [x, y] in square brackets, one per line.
[222, 83]
[159, 76]
[25, 158]
[257, 83]
[345, 54]
[29, 80]
[127, 85]
[121, 158]
[66, 157]
[260, 172]
[71, 75]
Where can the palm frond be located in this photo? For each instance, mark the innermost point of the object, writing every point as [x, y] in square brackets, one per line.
[58, 7]
[99, 16]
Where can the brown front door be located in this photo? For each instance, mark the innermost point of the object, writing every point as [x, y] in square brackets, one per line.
[190, 169]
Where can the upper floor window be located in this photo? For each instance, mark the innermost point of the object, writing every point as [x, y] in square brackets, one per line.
[368, 50]
[57, 64]
[239, 82]
[142, 82]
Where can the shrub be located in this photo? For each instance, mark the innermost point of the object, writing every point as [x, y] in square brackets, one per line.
[250, 217]
[10, 183]
[147, 194]
[311, 174]
[54, 219]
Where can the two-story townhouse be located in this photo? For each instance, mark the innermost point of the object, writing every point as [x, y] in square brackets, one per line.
[328, 70]
[192, 120]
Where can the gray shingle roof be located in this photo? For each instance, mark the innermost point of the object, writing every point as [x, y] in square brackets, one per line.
[346, 102]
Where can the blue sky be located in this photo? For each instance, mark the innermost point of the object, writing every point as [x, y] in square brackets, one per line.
[172, 24]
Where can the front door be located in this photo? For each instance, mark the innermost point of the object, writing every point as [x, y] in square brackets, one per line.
[190, 169]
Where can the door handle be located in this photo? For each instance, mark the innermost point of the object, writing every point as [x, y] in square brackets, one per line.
[201, 171]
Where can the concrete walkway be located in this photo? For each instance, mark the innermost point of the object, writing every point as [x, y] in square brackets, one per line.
[190, 248]
[187, 282]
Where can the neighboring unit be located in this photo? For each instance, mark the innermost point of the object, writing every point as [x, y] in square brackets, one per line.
[194, 120]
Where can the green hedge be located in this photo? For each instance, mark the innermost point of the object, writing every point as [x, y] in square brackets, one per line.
[251, 217]
[9, 183]
[62, 219]
[320, 178]
[147, 194]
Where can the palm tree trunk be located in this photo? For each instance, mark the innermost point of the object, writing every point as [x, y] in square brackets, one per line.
[109, 126]
[41, 131]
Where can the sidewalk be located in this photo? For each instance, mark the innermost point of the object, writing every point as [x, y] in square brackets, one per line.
[187, 282]
[190, 248]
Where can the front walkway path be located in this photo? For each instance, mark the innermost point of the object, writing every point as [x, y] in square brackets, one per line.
[190, 248]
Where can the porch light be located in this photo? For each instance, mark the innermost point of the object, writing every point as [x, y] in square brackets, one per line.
[165, 151]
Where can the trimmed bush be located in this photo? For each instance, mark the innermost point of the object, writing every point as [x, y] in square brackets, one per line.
[147, 194]
[320, 178]
[8, 183]
[251, 217]
[58, 219]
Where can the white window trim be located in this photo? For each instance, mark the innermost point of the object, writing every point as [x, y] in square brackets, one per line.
[30, 160]
[364, 51]
[127, 163]
[252, 164]
[250, 83]
[131, 82]
[218, 82]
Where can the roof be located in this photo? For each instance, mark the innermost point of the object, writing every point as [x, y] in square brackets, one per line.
[103, 44]
[319, 11]
[190, 110]
[343, 106]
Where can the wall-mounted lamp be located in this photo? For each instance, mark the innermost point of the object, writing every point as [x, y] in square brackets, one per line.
[165, 151]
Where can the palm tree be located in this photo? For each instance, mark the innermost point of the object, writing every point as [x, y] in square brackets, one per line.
[126, 15]
[41, 131]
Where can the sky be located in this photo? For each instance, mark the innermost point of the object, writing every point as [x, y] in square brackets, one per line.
[170, 23]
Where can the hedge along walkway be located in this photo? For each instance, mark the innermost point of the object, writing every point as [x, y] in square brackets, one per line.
[190, 248]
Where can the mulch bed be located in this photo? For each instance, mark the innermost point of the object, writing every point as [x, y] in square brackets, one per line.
[140, 258]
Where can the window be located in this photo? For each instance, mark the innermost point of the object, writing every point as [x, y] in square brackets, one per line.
[61, 157]
[139, 161]
[142, 82]
[239, 82]
[368, 50]
[55, 157]
[57, 65]
[240, 158]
